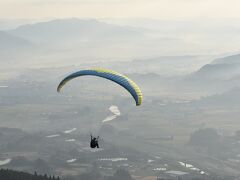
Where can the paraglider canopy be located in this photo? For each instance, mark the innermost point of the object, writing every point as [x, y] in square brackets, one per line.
[114, 76]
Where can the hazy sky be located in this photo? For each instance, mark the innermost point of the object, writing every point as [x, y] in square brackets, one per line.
[160, 9]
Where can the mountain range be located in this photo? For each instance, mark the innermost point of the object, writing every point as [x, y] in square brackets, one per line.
[75, 30]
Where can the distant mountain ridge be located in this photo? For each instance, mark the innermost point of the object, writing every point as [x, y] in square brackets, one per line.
[219, 71]
[222, 69]
[75, 30]
[233, 59]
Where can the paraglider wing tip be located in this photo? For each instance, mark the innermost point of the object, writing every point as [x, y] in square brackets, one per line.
[139, 103]
[58, 89]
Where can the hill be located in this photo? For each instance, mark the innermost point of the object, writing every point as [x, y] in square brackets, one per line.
[220, 69]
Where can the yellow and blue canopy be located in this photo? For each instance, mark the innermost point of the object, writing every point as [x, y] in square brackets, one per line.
[116, 77]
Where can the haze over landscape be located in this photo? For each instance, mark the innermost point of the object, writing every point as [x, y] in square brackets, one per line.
[185, 57]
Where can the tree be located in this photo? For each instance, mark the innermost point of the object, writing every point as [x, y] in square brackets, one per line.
[237, 134]
[121, 174]
[204, 137]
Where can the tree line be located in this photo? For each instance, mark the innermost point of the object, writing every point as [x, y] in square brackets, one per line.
[6, 174]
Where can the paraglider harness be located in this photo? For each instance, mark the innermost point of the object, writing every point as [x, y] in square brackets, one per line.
[94, 142]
